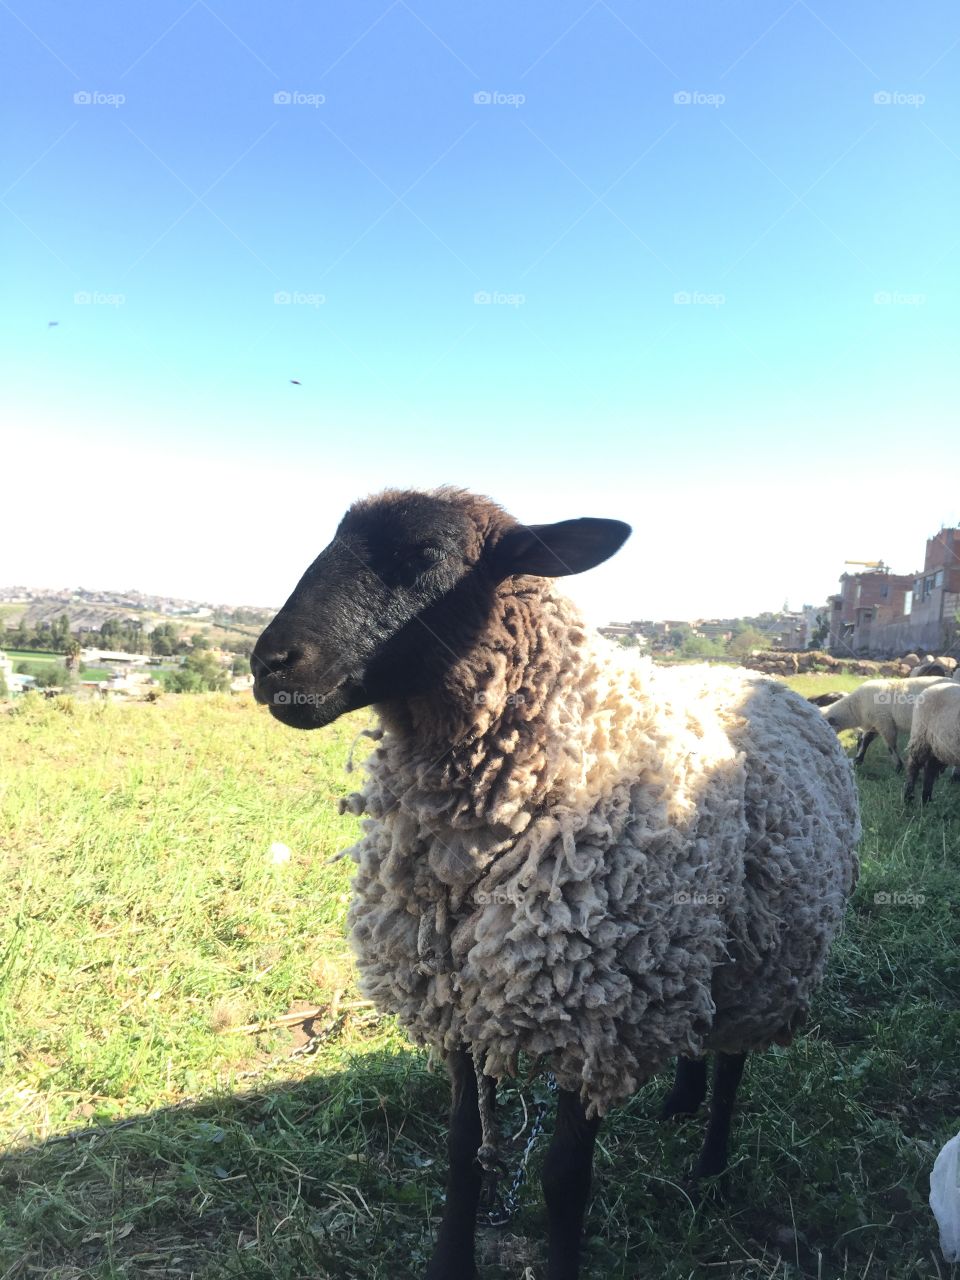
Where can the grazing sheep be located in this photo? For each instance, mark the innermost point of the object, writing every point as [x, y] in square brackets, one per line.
[932, 667]
[882, 708]
[934, 738]
[826, 699]
[568, 853]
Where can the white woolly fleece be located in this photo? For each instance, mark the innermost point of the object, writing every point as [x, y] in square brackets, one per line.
[612, 864]
[936, 724]
[884, 705]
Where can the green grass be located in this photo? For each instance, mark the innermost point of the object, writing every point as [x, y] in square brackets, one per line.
[33, 655]
[144, 924]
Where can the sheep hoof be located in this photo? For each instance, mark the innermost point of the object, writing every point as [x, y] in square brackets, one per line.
[707, 1184]
[679, 1108]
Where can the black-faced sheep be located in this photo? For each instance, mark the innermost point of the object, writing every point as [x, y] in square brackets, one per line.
[934, 738]
[881, 708]
[568, 853]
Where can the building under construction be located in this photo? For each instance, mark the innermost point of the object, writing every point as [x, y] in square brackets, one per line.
[882, 614]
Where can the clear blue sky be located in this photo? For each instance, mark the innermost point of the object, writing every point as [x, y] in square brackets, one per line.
[755, 435]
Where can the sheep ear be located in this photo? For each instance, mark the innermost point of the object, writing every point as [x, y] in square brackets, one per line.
[556, 550]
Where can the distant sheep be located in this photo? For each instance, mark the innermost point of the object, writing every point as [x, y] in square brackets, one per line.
[825, 699]
[569, 853]
[881, 708]
[932, 667]
[935, 737]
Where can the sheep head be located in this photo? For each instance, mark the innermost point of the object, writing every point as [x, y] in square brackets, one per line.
[404, 588]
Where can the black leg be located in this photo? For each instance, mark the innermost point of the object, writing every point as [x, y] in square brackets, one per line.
[913, 768]
[566, 1185]
[453, 1257]
[726, 1078]
[865, 740]
[689, 1089]
[931, 771]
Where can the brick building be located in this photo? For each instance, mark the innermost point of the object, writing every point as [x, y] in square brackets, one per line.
[883, 614]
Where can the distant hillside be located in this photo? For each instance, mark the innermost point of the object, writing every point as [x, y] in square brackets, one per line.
[88, 610]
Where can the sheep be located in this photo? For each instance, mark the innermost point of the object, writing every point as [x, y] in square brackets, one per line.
[881, 708]
[825, 699]
[934, 737]
[568, 853]
[932, 667]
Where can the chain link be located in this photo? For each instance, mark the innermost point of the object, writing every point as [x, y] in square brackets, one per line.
[497, 1210]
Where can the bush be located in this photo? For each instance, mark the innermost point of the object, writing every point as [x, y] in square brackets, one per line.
[701, 647]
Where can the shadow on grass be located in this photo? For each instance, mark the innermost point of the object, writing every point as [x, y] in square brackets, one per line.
[340, 1176]
[331, 1176]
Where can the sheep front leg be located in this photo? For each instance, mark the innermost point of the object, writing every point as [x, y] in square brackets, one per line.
[689, 1089]
[931, 771]
[890, 738]
[864, 741]
[566, 1184]
[726, 1079]
[914, 764]
[453, 1257]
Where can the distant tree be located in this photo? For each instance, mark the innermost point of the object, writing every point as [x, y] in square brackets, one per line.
[701, 647]
[822, 630]
[199, 641]
[46, 674]
[200, 673]
[180, 681]
[745, 641]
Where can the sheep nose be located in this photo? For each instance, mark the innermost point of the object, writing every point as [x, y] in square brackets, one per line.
[266, 662]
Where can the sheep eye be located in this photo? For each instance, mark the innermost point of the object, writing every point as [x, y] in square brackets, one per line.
[429, 555]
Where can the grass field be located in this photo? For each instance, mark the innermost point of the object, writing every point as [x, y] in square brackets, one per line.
[147, 1131]
[33, 655]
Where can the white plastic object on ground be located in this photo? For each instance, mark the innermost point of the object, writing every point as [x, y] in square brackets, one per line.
[945, 1198]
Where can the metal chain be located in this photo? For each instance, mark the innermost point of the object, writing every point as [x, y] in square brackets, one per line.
[500, 1209]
